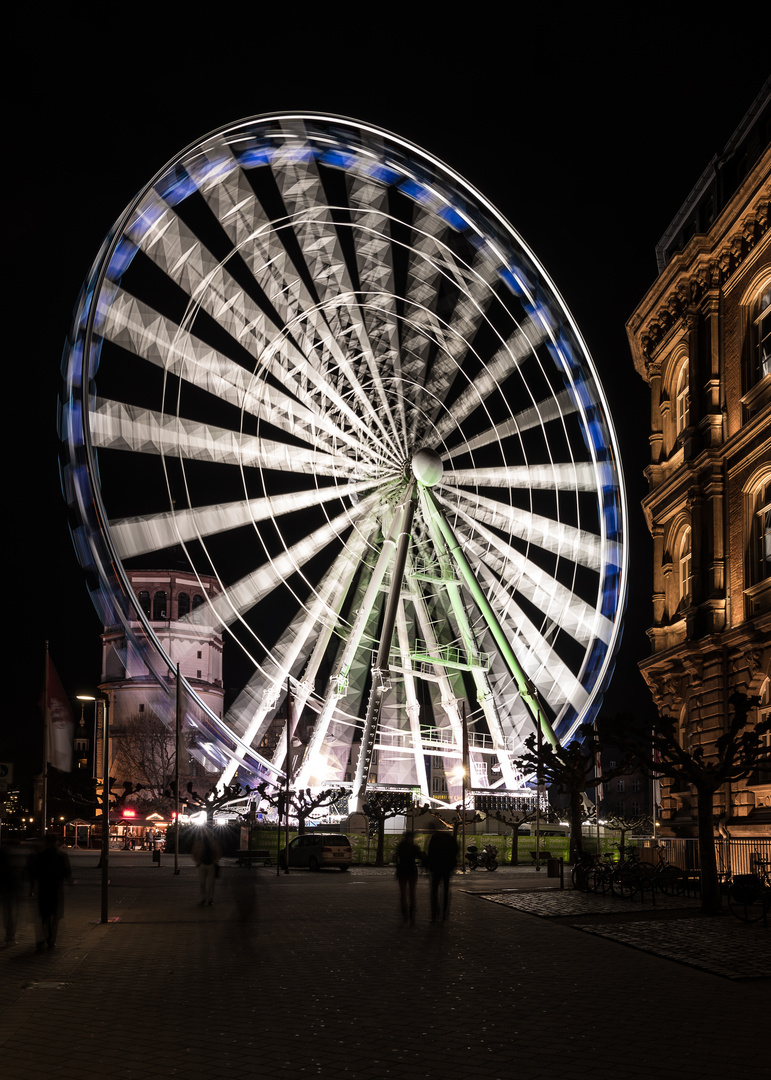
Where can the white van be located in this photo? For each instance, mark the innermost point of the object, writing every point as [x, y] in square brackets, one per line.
[316, 850]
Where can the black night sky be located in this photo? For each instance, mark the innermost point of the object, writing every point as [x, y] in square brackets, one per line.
[588, 138]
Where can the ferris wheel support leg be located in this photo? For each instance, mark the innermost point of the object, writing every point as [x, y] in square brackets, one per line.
[526, 689]
[413, 705]
[384, 651]
[484, 693]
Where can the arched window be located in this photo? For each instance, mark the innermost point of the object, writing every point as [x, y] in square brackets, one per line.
[684, 565]
[763, 773]
[197, 601]
[682, 398]
[761, 336]
[144, 601]
[159, 606]
[183, 604]
[762, 530]
[757, 543]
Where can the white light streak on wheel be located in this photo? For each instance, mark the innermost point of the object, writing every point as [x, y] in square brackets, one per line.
[297, 317]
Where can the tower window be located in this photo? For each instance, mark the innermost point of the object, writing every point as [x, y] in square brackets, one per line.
[143, 598]
[762, 336]
[685, 565]
[183, 605]
[682, 399]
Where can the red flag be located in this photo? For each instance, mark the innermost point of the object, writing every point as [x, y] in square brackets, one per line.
[59, 721]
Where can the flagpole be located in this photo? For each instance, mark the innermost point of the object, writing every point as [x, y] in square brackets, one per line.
[177, 741]
[288, 766]
[464, 755]
[597, 786]
[46, 742]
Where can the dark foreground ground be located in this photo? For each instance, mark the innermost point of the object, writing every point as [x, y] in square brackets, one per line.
[314, 975]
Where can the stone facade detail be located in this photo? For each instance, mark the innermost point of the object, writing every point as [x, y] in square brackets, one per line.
[699, 339]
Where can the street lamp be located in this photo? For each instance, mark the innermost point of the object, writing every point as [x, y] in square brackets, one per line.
[105, 859]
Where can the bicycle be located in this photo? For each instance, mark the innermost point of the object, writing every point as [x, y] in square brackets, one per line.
[749, 895]
[581, 875]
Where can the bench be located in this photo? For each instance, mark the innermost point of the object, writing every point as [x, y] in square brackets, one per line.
[543, 857]
[260, 856]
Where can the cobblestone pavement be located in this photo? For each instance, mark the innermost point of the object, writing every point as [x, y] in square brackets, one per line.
[315, 975]
[555, 904]
[733, 950]
[725, 947]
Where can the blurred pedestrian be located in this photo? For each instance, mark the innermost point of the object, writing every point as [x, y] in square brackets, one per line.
[48, 870]
[12, 862]
[206, 855]
[441, 860]
[408, 858]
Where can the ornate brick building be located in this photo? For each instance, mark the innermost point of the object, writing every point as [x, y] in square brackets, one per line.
[701, 339]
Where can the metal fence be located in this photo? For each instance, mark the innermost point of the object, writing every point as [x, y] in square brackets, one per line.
[733, 856]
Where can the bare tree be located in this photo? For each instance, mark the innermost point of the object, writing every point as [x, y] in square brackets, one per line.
[737, 753]
[515, 819]
[379, 807]
[625, 825]
[302, 802]
[214, 800]
[572, 769]
[145, 751]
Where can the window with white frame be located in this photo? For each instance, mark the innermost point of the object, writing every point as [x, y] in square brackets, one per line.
[684, 564]
[761, 343]
[762, 530]
[682, 398]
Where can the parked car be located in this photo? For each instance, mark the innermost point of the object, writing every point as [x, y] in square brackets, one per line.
[315, 850]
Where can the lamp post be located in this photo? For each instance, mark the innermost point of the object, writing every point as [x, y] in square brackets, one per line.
[105, 858]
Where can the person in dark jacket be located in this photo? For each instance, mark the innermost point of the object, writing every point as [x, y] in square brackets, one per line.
[48, 870]
[206, 855]
[441, 860]
[408, 857]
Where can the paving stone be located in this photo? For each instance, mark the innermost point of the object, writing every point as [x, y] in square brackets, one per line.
[306, 974]
[733, 950]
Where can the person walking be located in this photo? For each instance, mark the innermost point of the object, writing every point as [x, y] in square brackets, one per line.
[408, 857]
[48, 870]
[12, 865]
[441, 860]
[206, 855]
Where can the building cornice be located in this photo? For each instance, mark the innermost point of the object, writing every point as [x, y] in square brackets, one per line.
[707, 263]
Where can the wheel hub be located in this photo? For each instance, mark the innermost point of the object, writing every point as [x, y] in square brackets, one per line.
[427, 467]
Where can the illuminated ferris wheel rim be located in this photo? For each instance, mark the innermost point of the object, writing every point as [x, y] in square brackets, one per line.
[400, 164]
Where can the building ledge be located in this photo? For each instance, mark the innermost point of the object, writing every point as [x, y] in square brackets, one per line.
[757, 598]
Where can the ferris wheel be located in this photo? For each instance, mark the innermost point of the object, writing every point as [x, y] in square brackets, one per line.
[313, 363]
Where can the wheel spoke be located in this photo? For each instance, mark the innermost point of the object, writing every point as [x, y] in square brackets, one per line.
[296, 320]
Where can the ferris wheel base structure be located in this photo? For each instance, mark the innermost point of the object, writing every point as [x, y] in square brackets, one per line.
[312, 363]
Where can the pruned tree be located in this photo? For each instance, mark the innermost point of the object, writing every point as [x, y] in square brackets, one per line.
[515, 819]
[302, 802]
[623, 824]
[379, 807]
[214, 800]
[733, 756]
[572, 770]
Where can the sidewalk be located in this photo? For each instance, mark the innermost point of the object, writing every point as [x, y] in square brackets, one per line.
[313, 974]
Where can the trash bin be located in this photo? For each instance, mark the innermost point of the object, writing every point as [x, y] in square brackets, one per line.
[553, 868]
[157, 856]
